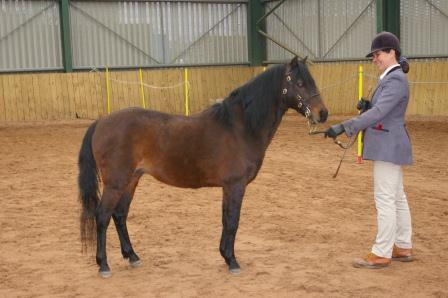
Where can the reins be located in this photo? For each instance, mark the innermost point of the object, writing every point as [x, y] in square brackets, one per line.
[337, 142]
[304, 108]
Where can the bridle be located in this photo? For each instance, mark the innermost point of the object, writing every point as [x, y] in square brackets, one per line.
[304, 108]
[302, 103]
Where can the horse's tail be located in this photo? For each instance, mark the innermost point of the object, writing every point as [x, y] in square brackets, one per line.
[88, 181]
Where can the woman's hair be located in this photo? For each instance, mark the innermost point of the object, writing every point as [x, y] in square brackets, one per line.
[404, 64]
[397, 53]
[401, 60]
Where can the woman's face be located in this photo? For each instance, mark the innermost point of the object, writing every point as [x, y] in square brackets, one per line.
[383, 59]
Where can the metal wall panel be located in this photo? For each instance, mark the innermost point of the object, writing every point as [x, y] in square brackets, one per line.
[322, 29]
[423, 27]
[129, 34]
[30, 36]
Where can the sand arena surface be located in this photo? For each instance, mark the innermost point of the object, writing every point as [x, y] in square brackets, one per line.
[299, 229]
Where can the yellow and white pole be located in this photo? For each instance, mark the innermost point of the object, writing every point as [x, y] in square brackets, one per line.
[107, 90]
[359, 156]
[187, 109]
[142, 90]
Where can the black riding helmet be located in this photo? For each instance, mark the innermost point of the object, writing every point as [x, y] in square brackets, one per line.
[385, 40]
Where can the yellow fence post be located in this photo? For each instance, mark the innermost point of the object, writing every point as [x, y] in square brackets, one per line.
[187, 110]
[107, 90]
[142, 90]
[359, 157]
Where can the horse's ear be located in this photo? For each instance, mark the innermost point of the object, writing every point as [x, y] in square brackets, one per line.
[304, 59]
[294, 62]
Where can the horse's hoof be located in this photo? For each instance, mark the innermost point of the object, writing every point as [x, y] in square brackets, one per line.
[235, 271]
[136, 264]
[105, 274]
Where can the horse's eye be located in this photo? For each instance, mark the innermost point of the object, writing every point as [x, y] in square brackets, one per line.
[300, 83]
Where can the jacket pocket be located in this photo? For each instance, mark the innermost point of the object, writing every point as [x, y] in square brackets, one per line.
[379, 128]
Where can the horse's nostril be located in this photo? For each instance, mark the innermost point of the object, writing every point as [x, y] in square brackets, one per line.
[323, 115]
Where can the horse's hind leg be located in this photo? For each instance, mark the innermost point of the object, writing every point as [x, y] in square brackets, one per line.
[231, 207]
[120, 216]
[104, 212]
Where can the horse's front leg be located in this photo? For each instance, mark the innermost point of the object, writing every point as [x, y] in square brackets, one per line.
[231, 206]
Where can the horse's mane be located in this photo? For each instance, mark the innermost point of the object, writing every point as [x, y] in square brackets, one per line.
[256, 97]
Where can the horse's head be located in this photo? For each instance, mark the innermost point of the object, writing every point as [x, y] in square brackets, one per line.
[300, 92]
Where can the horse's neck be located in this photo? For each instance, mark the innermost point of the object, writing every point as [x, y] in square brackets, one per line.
[272, 122]
[263, 137]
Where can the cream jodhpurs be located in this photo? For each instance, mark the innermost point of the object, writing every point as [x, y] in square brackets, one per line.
[393, 216]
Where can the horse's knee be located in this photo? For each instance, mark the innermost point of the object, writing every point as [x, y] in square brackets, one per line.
[232, 226]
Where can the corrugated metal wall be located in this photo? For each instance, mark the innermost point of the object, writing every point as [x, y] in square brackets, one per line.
[29, 35]
[423, 27]
[157, 33]
[322, 29]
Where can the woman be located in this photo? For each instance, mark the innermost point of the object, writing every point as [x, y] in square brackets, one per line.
[387, 143]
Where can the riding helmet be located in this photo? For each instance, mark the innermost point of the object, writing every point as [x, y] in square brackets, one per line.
[384, 40]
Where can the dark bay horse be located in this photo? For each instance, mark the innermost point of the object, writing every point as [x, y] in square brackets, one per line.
[222, 146]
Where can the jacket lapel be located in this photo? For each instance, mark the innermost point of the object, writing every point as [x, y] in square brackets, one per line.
[374, 92]
[382, 81]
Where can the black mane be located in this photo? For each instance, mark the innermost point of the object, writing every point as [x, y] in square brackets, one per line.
[255, 97]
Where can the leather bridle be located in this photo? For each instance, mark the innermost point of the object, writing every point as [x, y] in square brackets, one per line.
[304, 108]
[302, 103]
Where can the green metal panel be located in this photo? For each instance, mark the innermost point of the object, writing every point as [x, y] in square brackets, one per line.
[256, 42]
[379, 15]
[388, 16]
[65, 35]
[392, 11]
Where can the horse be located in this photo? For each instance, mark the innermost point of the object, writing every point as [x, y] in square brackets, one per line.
[222, 146]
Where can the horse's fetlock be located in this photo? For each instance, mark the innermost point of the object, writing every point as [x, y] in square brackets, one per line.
[98, 261]
[231, 230]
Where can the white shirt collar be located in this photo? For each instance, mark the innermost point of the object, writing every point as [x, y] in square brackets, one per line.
[387, 70]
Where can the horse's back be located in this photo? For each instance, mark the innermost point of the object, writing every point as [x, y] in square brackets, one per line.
[126, 129]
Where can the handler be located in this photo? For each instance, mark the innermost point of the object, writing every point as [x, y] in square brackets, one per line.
[386, 142]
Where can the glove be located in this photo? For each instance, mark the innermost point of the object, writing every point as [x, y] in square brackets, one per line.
[334, 131]
[363, 105]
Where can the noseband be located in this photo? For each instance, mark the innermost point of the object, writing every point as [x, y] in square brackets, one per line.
[302, 104]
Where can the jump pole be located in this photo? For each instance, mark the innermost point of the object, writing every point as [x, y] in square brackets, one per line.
[359, 155]
[107, 90]
[187, 110]
[142, 90]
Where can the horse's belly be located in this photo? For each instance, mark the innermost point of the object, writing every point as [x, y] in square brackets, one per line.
[181, 177]
[190, 171]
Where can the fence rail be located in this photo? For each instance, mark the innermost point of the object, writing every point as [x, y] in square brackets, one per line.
[61, 96]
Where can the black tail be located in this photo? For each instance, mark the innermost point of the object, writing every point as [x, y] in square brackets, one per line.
[88, 181]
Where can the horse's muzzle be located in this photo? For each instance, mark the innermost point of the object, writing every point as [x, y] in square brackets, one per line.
[323, 115]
